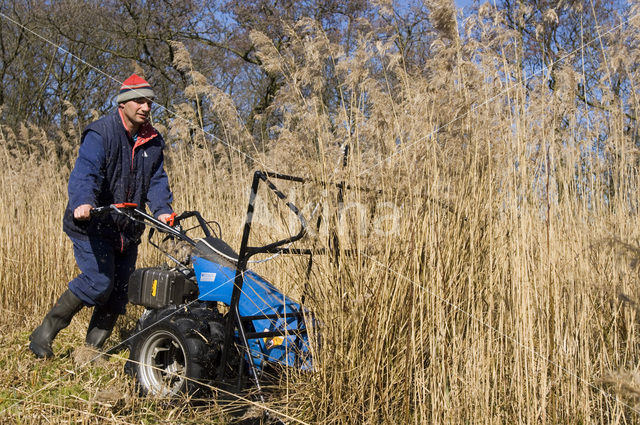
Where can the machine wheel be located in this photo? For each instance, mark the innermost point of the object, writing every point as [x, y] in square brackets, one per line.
[174, 352]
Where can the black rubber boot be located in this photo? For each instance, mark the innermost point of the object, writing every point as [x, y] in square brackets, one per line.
[100, 326]
[56, 320]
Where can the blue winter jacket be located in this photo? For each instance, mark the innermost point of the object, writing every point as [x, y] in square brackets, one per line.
[111, 168]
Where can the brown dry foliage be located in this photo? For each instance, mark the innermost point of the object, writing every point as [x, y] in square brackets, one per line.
[492, 254]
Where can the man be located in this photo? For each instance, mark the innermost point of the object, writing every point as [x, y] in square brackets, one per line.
[120, 160]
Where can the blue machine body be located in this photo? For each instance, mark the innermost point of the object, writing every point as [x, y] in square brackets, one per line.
[258, 298]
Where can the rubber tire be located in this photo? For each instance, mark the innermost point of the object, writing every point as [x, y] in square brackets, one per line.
[174, 352]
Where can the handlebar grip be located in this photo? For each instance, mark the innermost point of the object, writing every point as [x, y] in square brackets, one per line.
[98, 211]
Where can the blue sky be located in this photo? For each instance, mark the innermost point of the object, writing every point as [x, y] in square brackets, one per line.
[462, 3]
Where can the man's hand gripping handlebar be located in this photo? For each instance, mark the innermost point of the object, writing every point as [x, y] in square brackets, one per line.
[169, 219]
[98, 211]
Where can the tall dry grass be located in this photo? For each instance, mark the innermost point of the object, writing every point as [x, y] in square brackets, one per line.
[495, 278]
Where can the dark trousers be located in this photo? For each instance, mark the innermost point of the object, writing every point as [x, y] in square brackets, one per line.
[105, 271]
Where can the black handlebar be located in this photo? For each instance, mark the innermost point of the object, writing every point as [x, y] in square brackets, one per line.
[174, 229]
[131, 210]
[99, 211]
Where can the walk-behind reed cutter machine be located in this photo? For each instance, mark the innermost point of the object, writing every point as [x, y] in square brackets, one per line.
[208, 319]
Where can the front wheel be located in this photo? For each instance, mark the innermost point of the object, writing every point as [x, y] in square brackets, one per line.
[173, 353]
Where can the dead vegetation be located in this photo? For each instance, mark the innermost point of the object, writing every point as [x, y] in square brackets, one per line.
[497, 274]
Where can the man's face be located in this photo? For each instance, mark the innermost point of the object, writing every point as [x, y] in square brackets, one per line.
[136, 111]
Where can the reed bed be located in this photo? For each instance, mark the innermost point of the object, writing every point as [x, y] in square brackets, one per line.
[493, 273]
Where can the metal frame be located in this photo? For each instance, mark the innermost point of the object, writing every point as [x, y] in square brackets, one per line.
[244, 254]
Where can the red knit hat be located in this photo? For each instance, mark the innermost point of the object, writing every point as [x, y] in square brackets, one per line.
[134, 87]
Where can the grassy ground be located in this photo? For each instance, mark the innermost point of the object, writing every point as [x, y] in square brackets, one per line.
[66, 389]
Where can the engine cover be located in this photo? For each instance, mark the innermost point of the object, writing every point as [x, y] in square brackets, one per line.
[155, 287]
